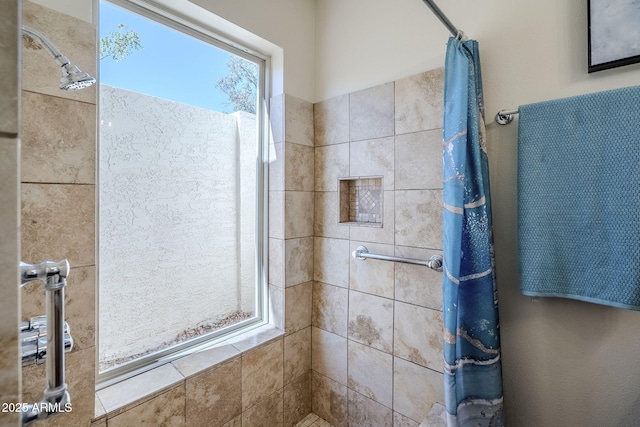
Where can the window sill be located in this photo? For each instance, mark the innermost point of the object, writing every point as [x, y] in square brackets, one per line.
[124, 395]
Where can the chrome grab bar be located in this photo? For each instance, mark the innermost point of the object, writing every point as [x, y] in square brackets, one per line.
[56, 396]
[434, 263]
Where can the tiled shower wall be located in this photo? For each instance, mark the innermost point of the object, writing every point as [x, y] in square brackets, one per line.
[9, 209]
[376, 325]
[58, 193]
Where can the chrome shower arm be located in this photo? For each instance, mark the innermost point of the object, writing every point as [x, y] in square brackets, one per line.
[47, 44]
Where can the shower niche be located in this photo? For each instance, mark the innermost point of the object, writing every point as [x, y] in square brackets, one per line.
[361, 201]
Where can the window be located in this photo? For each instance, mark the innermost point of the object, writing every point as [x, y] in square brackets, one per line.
[181, 250]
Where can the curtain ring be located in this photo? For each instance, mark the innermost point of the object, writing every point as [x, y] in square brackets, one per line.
[460, 35]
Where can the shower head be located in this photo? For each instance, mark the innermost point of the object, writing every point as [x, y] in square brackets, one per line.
[72, 77]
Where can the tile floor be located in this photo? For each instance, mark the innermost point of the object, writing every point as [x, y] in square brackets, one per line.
[312, 420]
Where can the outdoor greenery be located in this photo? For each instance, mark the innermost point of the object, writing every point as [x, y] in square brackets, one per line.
[240, 84]
[119, 44]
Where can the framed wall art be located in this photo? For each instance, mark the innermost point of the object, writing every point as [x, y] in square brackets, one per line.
[614, 33]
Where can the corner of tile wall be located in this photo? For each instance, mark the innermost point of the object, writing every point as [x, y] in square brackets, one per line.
[298, 121]
[291, 213]
[299, 214]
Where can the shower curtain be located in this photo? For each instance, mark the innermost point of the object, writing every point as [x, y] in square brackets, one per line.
[472, 371]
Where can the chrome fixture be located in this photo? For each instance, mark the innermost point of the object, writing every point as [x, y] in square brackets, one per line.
[443, 18]
[72, 77]
[56, 396]
[504, 117]
[434, 263]
[33, 336]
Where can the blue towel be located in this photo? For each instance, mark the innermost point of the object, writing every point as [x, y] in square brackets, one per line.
[579, 198]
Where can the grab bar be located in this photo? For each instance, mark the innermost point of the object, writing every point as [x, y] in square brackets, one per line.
[434, 263]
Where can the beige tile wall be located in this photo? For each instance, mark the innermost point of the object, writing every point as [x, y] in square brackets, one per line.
[291, 213]
[9, 205]
[376, 325]
[58, 195]
[9, 69]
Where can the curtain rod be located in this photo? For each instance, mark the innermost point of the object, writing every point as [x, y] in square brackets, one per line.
[504, 116]
[443, 18]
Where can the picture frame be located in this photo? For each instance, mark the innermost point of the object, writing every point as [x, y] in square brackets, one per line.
[614, 33]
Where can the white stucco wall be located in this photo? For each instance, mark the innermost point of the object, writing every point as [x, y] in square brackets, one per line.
[171, 219]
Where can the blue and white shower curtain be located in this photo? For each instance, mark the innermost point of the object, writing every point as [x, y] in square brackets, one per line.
[473, 374]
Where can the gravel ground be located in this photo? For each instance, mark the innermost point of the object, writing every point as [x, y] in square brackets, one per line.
[232, 318]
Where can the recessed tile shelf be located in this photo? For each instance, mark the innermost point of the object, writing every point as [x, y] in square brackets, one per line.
[361, 201]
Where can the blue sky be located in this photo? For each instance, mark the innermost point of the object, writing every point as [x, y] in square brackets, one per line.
[172, 65]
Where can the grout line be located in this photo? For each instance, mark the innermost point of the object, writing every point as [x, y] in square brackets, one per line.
[393, 341]
[347, 329]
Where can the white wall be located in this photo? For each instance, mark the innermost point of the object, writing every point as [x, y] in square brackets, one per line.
[566, 363]
[531, 51]
[286, 23]
[360, 43]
